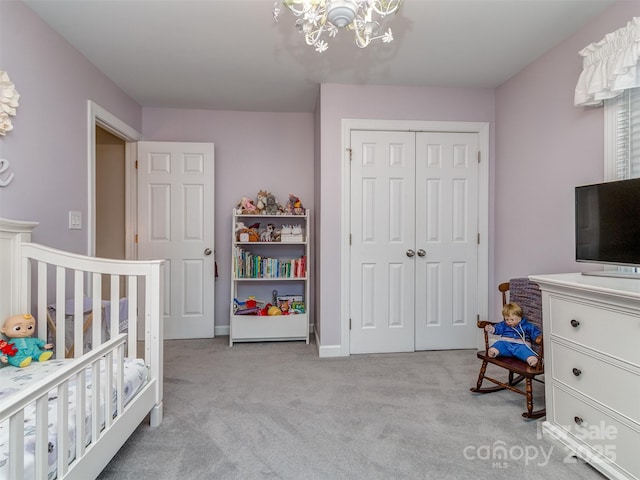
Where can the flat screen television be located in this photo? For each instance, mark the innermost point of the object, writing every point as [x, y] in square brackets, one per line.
[608, 222]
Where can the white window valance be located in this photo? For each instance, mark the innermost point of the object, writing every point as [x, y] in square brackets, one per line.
[610, 66]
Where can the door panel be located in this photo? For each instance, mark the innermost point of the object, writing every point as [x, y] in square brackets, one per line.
[446, 229]
[382, 230]
[176, 223]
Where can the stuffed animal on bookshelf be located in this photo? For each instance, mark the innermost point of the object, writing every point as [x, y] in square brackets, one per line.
[261, 204]
[246, 207]
[19, 328]
[271, 207]
[294, 206]
[267, 234]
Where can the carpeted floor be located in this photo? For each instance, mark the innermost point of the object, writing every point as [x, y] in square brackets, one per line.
[278, 411]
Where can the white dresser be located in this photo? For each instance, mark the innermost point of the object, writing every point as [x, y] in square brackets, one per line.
[592, 365]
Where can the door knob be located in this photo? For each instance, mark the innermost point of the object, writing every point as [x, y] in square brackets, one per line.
[410, 253]
[207, 251]
[421, 253]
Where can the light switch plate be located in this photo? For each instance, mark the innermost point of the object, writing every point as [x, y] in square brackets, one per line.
[75, 220]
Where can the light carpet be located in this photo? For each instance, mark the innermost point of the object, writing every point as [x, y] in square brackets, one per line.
[278, 411]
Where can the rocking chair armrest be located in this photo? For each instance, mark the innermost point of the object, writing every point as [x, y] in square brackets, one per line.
[538, 340]
[483, 323]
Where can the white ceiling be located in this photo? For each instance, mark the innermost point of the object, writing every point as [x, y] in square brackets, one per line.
[231, 55]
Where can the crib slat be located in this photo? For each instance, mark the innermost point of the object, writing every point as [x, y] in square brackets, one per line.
[96, 308]
[108, 388]
[60, 308]
[96, 388]
[43, 313]
[81, 408]
[61, 435]
[114, 321]
[42, 437]
[16, 445]
[132, 315]
[78, 313]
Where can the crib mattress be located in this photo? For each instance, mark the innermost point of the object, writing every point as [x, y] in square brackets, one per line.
[13, 379]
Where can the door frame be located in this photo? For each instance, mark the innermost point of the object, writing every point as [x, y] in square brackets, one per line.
[482, 129]
[96, 115]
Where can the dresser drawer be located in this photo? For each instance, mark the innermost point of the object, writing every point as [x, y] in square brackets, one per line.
[608, 331]
[619, 442]
[616, 387]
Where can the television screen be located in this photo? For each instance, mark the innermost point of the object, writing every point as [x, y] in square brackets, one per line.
[608, 222]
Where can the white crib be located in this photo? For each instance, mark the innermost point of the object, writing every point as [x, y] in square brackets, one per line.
[90, 428]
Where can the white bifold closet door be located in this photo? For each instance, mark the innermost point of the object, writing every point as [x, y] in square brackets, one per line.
[414, 241]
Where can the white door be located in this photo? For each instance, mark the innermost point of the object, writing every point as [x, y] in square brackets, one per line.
[382, 232]
[176, 223]
[446, 240]
[414, 224]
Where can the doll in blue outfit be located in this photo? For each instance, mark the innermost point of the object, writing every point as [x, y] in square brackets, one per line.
[516, 334]
[19, 329]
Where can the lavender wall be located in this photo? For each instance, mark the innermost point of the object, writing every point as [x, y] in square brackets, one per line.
[253, 151]
[544, 148]
[373, 102]
[47, 148]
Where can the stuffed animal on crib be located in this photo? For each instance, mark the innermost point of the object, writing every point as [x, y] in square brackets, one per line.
[19, 329]
[6, 350]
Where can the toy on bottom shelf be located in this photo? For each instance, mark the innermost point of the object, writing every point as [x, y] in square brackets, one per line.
[19, 328]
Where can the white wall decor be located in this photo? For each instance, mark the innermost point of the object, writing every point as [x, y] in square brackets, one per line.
[8, 104]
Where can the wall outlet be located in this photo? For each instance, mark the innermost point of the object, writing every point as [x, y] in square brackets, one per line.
[75, 220]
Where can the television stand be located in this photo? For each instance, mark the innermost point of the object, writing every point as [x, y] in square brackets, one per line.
[632, 275]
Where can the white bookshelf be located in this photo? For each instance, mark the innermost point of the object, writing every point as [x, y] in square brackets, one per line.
[258, 268]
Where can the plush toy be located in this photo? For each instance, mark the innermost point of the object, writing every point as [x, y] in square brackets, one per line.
[261, 204]
[271, 205]
[19, 328]
[294, 207]
[7, 349]
[267, 234]
[246, 207]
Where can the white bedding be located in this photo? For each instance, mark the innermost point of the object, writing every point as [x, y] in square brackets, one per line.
[13, 379]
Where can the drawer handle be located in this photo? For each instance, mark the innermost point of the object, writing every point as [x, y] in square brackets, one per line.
[578, 420]
[577, 372]
[575, 323]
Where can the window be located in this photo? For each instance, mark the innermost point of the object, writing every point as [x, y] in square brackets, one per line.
[622, 141]
[622, 136]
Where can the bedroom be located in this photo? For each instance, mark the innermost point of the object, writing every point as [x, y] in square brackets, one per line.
[538, 135]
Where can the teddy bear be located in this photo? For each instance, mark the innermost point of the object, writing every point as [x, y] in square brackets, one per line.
[271, 205]
[19, 329]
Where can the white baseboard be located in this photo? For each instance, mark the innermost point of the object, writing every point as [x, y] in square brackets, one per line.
[221, 330]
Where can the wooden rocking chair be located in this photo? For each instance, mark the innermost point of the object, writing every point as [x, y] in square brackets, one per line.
[526, 294]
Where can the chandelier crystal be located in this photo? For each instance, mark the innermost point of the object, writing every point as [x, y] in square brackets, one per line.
[318, 17]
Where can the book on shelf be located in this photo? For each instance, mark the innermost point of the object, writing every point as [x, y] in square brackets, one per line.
[249, 265]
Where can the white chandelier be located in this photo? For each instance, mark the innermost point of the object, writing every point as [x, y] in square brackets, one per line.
[316, 17]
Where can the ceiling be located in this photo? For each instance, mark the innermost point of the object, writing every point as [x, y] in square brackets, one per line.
[232, 55]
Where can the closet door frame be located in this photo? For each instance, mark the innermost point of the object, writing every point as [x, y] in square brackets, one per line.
[482, 129]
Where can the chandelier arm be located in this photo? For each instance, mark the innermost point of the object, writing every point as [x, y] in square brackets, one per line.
[388, 7]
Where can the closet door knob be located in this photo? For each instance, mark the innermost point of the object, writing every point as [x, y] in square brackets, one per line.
[410, 253]
[575, 323]
[577, 372]
[421, 253]
[207, 251]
